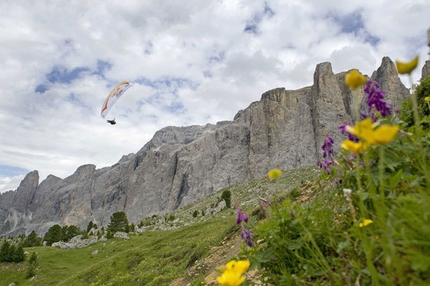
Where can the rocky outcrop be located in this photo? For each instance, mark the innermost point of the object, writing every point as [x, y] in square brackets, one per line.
[179, 165]
[386, 75]
[75, 242]
[425, 71]
[122, 235]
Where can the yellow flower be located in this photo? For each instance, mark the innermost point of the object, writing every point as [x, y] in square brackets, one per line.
[354, 147]
[240, 266]
[365, 222]
[373, 136]
[427, 98]
[354, 79]
[232, 274]
[230, 278]
[408, 67]
[274, 173]
[383, 135]
[361, 128]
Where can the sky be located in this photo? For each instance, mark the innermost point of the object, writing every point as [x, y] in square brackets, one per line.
[189, 62]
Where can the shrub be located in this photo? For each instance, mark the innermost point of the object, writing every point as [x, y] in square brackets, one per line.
[421, 92]
[68, 232]
[33, 259]
[32, 266]
[90, 226]
[5, 251]
[18, 255]
[32, 240]
[226, 196]
[54, 234]
[195, 214]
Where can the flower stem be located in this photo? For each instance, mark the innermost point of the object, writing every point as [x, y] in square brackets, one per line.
[356, 104]
[418, 133]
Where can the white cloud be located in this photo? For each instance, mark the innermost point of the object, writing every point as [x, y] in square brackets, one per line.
[10, 183]
[190, 62]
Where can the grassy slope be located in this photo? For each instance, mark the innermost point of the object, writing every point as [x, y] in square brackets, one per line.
[154, 257]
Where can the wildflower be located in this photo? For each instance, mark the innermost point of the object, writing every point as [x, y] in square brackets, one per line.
[354, 79]
[379, 136]
[323, 164]
[382, 135]
[264, 203]
[408, 67]
[229, 278]
[232, 273]
[375, 98]
[365, 222]
[274, 174]
[241, 216]
[327, 147]
[327, 153]
[427, 98]
[354, 147]
[344, 132]
[247, 236]
[240, 266]
[347, 194]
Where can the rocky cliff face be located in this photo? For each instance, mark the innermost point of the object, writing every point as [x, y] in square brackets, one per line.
[425, 70]
[179, 165]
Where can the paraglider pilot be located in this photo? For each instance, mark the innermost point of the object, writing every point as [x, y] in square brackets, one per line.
[112, 122]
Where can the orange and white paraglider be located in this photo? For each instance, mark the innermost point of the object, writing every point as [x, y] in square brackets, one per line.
[112, 97]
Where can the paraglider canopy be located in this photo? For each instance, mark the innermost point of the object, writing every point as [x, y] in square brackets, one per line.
[113, 96]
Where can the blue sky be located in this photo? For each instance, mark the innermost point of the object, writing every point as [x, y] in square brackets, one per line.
[189, 62]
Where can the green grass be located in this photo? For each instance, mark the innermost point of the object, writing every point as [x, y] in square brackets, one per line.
[151, 258]
[154, 257]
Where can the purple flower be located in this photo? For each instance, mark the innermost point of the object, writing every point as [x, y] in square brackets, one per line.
[247, 236]
[342, 129]
[265, 202]
[241, 216]
[328, 147]
[375, 98]
[323, 164]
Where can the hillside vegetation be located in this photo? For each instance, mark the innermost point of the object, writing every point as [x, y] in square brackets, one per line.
[156, 257]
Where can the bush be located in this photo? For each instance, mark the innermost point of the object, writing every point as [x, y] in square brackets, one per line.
[226, 196]
[421, 92]
[195, 214]
[33, 259]
[11, 253]
[32, 240]
[90, 226]
[18, 255]
[68, 232]
[54, 234]
[5, 252]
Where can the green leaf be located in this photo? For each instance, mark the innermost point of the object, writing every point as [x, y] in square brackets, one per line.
[394, 180]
